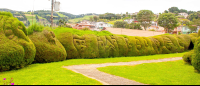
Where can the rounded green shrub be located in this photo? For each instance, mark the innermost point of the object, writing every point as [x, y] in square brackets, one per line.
[196, 55]
[48, 47]
[16, 49]
[187, 57]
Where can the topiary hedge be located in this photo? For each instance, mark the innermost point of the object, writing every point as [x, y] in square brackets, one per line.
[196, 55]
[16, 49]
[48, 47]
[102, 46]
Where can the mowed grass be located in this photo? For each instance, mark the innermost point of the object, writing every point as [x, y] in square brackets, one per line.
[163, 73]
[54, 74]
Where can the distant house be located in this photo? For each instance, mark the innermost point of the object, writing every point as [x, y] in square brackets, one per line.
[184, 30]
[183, 14]
[85, 21]
[81, 26]
[178, 30]
[154, 26]
[102, 24]
[130, 20]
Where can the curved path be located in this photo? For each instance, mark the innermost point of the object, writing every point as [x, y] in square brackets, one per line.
[90, 71]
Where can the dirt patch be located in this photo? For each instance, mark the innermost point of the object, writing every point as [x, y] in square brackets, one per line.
[132, 32]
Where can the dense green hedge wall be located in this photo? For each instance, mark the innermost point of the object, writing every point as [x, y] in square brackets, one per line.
[16, 49]
[196, 55]
[98, 45]
[48, 48]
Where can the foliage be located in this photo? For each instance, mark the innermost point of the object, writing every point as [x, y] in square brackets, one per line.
[195, 15]
[187, 57]
[36, 27]
[196, 56]
[183, 11]
[184, 21]
[168, 21]
[166, 11]
[48, 48]
[94, 18]
[173, 9]
[120, 24]
[16, 49]
[134, 26]
[145, 17]
[109, 16]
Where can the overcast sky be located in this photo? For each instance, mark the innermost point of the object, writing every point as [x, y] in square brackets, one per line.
[101, 6]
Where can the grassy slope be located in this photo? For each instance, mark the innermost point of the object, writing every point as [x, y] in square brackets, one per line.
[30, 17]
[77, 19]
[61, 15]
[164, 73]
[54, 74]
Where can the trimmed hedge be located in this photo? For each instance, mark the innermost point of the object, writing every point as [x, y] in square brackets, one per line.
[98, 46]
[16, 49]
[187, 57]
[196, 55]
[48, 47]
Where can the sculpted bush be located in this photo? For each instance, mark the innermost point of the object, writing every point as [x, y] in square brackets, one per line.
[187, 57]
[48, 47]
[196, 55]
[16, 49]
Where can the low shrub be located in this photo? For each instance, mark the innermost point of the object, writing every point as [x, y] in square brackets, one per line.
[187, 57]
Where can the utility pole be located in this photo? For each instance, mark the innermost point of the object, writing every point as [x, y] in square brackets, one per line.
[52, 13]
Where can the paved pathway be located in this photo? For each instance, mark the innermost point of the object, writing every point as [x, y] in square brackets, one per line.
[90, 71]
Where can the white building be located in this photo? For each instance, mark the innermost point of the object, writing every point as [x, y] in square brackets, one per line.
[102, 24]
[183, 14]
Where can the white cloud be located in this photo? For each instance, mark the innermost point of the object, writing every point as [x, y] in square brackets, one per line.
[102, 6]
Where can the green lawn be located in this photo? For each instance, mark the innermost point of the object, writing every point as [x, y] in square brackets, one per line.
[54, 74]
[164, 73]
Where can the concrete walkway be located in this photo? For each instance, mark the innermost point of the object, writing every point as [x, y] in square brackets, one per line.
[90, 71]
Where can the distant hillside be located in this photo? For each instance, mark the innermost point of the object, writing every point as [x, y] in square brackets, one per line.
[44, 16]
[77, 20]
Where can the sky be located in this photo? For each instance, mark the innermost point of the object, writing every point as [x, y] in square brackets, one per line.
[77, 7]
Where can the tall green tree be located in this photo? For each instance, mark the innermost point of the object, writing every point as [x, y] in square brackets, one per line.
[173, 9]
[145, 17]
[168, 21]
[96, 18]
[183, 11]
[195, 15]
[165, 11]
